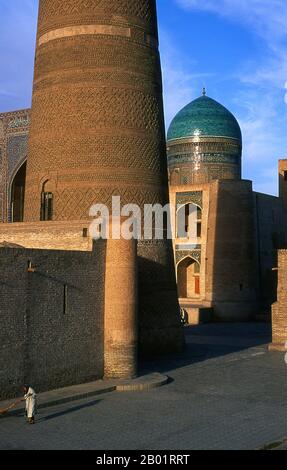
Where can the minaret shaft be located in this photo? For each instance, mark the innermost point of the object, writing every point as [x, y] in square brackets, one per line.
[97, 131]
[97, 121]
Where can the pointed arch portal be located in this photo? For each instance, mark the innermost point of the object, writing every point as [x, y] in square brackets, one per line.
[188, 278]
[18, 194]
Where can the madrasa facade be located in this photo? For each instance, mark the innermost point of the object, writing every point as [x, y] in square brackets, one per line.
[230, 263]
[75, 309]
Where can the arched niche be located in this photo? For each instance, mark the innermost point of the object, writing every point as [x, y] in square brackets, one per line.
[188, 278]
[17, 194]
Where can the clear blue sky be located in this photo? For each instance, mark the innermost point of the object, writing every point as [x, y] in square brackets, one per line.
[236, 48]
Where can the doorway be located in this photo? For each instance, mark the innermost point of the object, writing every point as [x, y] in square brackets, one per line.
[188, 278]
[18, 195]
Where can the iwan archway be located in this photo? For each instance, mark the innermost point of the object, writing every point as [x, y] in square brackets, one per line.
[188, 279]
[17, 194]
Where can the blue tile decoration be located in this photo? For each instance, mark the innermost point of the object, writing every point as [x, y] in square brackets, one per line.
[204, 117]
[182, 254]
[189, 197]
[215, 158]
[17, 149]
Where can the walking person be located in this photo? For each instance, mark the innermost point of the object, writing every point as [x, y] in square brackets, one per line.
[30, 399]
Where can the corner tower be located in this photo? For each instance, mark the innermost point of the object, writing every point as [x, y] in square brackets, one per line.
[204, 144]
[97, 131]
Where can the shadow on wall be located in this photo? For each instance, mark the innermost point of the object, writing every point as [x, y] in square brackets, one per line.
[233, 279]
[271, 221]
[160, 329]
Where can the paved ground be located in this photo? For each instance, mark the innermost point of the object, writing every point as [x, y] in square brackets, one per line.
[228, 392]
[85, 391]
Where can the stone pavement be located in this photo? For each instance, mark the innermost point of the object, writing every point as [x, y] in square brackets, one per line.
[225, 392]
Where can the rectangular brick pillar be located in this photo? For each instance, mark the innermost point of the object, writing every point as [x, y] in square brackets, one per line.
[279, 309]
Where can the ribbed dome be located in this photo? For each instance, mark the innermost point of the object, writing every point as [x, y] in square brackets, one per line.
[204, 117]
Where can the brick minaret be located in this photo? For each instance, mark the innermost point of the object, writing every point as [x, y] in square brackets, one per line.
[97, 130]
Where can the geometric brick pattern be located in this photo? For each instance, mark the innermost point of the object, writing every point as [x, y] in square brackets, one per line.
[76, 204]
[97, 108]
[50, 11]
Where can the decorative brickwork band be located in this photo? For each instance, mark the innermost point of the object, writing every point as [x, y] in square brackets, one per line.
[84, 30]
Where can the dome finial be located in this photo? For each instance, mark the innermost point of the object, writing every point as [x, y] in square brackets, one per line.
[204, 91]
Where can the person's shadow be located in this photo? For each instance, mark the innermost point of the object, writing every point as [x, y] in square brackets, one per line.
[70, 410]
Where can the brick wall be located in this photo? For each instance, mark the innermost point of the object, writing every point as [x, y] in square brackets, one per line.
[49, 236]
[231, 269]
[279, 309]
[159, 321]
[270, 217]
[51, 320]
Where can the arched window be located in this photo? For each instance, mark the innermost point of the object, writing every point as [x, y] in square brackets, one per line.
[47, 200]
[189, 222]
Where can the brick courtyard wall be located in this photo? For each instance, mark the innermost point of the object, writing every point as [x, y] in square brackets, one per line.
[279, 309]
[51, 331]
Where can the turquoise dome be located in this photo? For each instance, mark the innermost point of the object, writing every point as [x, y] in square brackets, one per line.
[204, 117]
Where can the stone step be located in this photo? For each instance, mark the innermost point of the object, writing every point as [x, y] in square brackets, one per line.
[197, 314]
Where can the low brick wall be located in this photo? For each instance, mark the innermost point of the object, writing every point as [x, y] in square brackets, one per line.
[68, 236]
